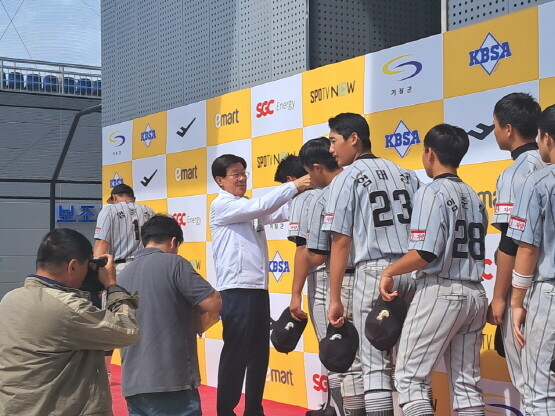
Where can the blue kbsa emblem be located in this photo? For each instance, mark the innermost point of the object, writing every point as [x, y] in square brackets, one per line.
[278, 266]
[489, 54]
[402, 139]
[148, 135]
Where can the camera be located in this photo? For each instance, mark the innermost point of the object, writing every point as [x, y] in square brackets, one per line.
[99, 261]
[91, 283]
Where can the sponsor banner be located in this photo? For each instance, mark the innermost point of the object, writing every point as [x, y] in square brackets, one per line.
[149, 135]
[113, 175]
[213, 349]
[316, 378]
[285, 379]
[333, 89]
[116, 143]
[228, 117]
[190, 213]
[195, 253]
[187, 127]
[491, 54]
[276, 106]
[281, 256]
[278, 302]
[269, 151]
[405, 75]
[149, 178]
[398, 134]
[490, 269]
[441, 399]
[313, 132]
[500, 396]
[240, 148]
[474, 113]
[546, 14]
[159, 206]
[186, 173]
[482, 177]
[547, 92]
[279, 230]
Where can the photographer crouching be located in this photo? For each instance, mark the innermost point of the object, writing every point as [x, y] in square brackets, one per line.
[52, 338]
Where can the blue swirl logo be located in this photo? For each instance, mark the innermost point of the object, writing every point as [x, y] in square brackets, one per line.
[412, 68]
[116, 138]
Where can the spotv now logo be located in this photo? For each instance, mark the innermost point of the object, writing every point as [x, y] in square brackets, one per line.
[325, 93]
[489, 54]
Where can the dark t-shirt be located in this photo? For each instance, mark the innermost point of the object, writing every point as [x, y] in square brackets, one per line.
[165, 358]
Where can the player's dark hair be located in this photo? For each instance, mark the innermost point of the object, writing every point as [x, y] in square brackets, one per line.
[450, 144]
[60, 246]
[159, 229]
[348, 123]
[221, 163]
[547, 121]
[521, 111]
[318, 151]
[289, 166]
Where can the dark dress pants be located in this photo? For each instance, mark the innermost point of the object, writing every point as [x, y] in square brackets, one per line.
[246, 331]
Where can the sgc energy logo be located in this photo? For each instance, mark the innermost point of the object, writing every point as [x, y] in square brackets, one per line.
[402, 139]
[277, 266]
[148, 135]
[489, 54]
[407, 68]
[269, 107]
[325, 93]
[226, 119]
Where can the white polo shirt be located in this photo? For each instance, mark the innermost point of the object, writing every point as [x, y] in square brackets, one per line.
[238, 238]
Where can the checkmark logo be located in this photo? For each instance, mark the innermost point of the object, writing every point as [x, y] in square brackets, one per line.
[485, 130]
[146, 180]
[183, 130]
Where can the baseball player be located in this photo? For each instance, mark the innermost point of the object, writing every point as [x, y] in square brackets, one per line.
[515, 118]
[448, 312]
[347, 390]
[532, 224]
[118, 226]
[369, 207]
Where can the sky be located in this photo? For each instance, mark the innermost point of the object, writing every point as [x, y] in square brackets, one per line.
[64, 31]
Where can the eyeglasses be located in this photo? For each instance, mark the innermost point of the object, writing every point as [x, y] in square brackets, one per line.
[239, 175]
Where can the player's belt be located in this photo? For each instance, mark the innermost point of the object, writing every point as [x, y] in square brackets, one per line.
[349, 271]
[119, 261]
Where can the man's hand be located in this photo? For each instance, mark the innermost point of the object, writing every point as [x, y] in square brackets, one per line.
[295, 308]
[302, 183]
[519, 316]
[496, 310]
[335, 314]
[386, 286]
[107, 274]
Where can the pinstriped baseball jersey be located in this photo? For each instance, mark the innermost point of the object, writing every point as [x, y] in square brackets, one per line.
[533, 219]
[120, 225]
[510, 183]
[317, 239]
[449, 220]
[298, 215]
[372, 203]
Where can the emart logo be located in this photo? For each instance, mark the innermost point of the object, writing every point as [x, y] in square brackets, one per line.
[277, 266]
[402, 139]
[280, 376]
[489, 54]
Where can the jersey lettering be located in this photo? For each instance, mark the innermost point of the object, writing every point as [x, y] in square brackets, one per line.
[503, 208]
[518, 224]
[417, 235]
[293, 226]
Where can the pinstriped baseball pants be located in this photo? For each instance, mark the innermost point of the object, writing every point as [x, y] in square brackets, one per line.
[445, 320]
[318, 302]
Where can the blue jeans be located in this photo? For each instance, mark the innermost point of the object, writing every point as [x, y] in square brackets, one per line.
[173, 403]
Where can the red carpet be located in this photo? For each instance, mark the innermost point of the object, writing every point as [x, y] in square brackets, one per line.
[208, 400]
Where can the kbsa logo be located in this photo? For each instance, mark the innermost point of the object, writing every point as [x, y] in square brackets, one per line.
[116, 180]
[148, 135]
[320, 382]
[269, 107]
[278, 266]
[489, 54]
[342, 89]
[406, 67]
[402, 139]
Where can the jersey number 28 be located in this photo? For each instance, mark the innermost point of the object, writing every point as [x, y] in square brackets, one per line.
[470, 240]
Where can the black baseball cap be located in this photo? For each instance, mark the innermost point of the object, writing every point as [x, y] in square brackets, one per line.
[339, 347]
[120, 189]
[286, 332]
[498, 342]
[384, 323]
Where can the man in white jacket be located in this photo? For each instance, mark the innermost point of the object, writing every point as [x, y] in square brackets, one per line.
[241, 260]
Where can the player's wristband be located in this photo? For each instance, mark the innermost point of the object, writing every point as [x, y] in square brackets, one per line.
[521, 281]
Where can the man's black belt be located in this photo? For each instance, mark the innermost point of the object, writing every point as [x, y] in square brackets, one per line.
[349, 271]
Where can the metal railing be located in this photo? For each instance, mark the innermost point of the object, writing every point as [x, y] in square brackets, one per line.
[50, 78]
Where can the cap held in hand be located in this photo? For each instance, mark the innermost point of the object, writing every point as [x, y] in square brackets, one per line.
[339, 347]
[385, 322]
[286, 332]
